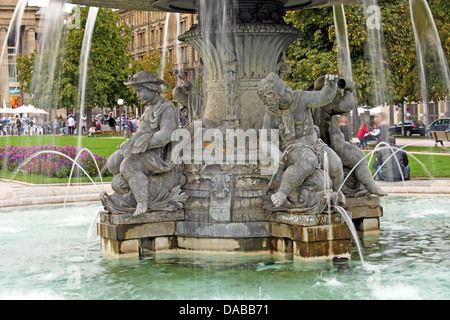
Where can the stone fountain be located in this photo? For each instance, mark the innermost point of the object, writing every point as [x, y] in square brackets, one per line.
[235, 196]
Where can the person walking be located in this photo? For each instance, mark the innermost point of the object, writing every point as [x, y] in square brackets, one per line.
[18, 125]
[63, 126]
[83, 125]
[361, 135]
[112, 124]
[71, 124]
[55, 127]
[2, 126]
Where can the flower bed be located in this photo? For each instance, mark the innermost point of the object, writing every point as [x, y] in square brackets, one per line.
[49, 160]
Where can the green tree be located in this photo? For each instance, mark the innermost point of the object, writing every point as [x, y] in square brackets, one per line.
[152, 62]
[108, 67]
[108, 63]
[316, 53]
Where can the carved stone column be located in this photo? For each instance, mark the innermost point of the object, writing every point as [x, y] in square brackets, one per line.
[255, 44]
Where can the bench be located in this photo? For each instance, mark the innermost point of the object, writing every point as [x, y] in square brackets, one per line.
[95, 133]
[440, 136]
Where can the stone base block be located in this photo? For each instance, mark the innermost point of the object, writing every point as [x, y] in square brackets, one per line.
[225, 244]
[151, 245]
[135, 231]
[223, 230]
[120, 249]
[312, 242]
[322, 249]
[367, 226]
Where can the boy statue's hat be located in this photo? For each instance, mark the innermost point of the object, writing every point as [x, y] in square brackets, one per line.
[143, 77]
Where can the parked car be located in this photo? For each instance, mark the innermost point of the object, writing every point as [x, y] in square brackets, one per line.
[438, 125]
[411, 127]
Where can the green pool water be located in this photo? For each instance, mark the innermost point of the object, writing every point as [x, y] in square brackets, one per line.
[46, 253]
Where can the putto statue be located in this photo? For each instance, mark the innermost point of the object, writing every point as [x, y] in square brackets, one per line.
[144, 177]
[303, 151]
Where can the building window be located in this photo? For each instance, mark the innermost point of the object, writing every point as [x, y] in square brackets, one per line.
[12, 73]
[183, 54]
[12, 42]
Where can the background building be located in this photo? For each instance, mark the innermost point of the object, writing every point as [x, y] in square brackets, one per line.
[159, 31]
[24, 41]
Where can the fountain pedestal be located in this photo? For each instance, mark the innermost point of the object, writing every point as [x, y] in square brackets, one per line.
[302, 236]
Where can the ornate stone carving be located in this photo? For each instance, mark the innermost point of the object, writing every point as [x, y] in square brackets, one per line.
[302, 178]
[145, 179]
[221, 194]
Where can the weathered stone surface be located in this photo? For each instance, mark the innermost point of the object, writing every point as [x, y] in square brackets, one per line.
[225, 245]
[136, 231]
[223, 230]
[368, 225]
[120, 249]
[149, 245]
[148, 217]
[367, 201]
[306, 219]
[365, 212]
[322, 249]
[311, 233]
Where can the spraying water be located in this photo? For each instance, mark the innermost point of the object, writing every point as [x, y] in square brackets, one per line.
[85, 49]
[165, 43]
[178, 46]
[430, 55]
[216, 20]
[344, 60]
[352, 228]
[46, 64]
[17, 18]
[376, 51]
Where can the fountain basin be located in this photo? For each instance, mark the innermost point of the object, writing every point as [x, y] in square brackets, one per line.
[43, 257]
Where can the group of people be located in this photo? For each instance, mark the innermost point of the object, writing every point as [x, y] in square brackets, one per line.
[16, 125]
[377, 133]
[58, 126]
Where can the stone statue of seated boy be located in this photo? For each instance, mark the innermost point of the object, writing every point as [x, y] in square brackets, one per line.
[303, 152]
[144, 177]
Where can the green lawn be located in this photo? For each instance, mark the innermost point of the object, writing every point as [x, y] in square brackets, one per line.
[425, 165]
[437, 165]
[102, 146]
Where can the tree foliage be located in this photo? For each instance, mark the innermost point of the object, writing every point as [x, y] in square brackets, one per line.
[152, 62]
[316, 53]
[108, 66]
[108, 63]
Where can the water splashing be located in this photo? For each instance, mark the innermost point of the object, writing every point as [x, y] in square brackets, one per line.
[344, 59]
[85, 49]
[51, 49]
[430, 55]
[352, 228]
[17, 18]
[165, 43]
[376, 51]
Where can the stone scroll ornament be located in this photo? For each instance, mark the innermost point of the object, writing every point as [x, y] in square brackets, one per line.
[145, 179]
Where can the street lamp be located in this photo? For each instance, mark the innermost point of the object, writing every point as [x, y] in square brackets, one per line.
[120, 103]
[126, 129]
